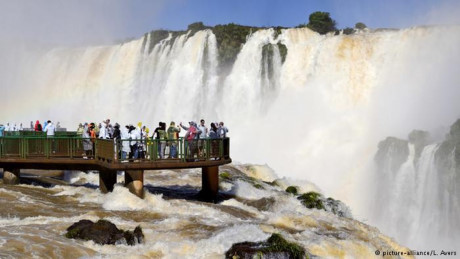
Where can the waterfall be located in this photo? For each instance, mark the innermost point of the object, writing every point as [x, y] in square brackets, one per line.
[417, 201]
[316, 114]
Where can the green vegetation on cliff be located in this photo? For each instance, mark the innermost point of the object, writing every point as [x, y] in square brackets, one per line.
[230, 39]
[312, 200]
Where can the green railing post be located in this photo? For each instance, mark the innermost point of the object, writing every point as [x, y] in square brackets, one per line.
[47, 148]
[221, 148]
[96, 146]
[185, 150]
[22, 148]
[208, 148]
[155, 149]
[69, 147]
[26, 147]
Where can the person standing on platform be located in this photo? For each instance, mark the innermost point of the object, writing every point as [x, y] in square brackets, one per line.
[125, 143]
[38, 127]
[160, 132]
[2, 129]
[173, 136]
[222, 130]
[80, 130]
[191, 136]
[202, 136]
[87, 144]
[50, 129]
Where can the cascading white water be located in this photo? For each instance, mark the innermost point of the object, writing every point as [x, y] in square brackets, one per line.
[418, 201]
[329, 104]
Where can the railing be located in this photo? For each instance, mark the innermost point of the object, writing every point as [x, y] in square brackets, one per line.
[114, 151]
[40, 147]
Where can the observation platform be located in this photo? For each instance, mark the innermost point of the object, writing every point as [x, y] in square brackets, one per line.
[105, 156]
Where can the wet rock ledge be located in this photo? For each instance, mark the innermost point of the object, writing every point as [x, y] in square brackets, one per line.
[104, 232]
[275, 247]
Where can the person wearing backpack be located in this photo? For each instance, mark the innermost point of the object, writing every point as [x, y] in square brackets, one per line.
[38, 127]
[191, 136]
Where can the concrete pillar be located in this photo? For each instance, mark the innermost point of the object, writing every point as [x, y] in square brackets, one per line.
[107, 179]
[134, 181]
[11, 175]
[209, 182]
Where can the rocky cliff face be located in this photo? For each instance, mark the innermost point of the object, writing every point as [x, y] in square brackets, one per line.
[448, 154]
[418, 185]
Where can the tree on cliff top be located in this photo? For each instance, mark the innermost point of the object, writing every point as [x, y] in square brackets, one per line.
[321, 22]
[360, 26]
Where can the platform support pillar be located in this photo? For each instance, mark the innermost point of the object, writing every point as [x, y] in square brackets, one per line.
[209, 182]
[107, 179]
[11, 175]
[134, 181]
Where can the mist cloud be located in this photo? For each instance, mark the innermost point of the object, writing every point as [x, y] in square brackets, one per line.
[76, 22]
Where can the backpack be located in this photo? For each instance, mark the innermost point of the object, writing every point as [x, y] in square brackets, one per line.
[192, 133]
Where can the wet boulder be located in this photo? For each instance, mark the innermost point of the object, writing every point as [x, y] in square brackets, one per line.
[104, 232]
[314, 200]
[275, 247]
[292, 190]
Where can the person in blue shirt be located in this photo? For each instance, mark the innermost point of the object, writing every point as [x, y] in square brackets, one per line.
[2, 128]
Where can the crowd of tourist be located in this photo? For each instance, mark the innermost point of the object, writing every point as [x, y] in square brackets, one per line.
[133, 141]
[48, 127]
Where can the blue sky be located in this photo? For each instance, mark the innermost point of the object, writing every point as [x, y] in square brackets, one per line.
[99, 21]
[379, 13]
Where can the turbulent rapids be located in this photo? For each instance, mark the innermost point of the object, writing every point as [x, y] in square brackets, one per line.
[173, 225]
[315, 113]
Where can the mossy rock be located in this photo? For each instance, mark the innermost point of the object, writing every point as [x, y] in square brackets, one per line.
[253, 181]
[225, 176]
[312, 200]
[275, 247]
[292, 190]
[275, 183]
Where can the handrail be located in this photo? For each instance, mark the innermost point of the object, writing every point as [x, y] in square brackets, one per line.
[114, 151]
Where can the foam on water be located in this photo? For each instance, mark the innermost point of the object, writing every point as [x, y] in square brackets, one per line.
[248, 191]
[182, 228]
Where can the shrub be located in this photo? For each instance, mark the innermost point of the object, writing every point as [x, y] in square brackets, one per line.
[360, 26]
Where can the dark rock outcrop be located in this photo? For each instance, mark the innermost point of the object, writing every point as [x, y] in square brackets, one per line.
[104, 232]
[391, 154]
[448, 154]
[419, 139]
[275, 247]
